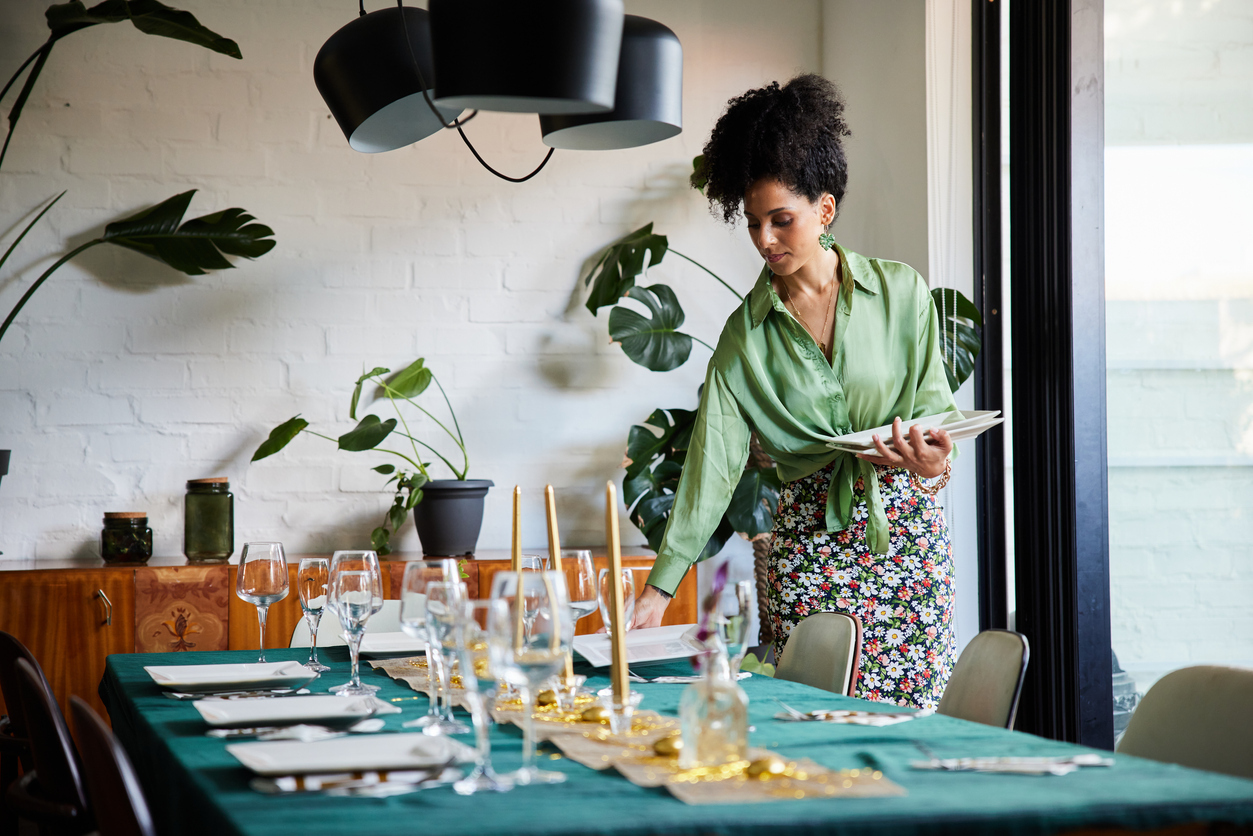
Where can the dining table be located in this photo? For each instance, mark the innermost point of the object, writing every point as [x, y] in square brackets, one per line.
[193, 785]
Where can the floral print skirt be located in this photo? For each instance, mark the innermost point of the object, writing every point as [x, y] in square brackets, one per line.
[904, 598]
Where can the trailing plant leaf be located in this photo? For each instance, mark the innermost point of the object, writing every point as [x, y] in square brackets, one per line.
[192, 248]
[755, 666]
[621, 262]
[280, 437]
[755, 501]
[960, 343]
[148, 16]
[700, 178]
[385, 469]
[654, 343]
[377, 371]
[410, 382]
[367, 435]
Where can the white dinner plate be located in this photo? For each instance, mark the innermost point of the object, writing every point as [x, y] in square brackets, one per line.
[959, 425]
[354, 753]
[650, 644]
[311, 709]
[256, 675]
[378, 644]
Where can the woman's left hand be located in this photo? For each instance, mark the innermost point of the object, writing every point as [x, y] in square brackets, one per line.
[913, 452]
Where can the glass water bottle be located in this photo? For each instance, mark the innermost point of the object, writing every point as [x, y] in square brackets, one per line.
[713, 716]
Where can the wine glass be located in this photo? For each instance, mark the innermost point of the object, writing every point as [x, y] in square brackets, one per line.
[733, 626]
[312, 578]
[628, 596]
[469, 641]
[531, 563]
[262, 580]
[352, 594]
[418, 575]
[526, 659]
[442, 602]
[366, 564]
[583, 591]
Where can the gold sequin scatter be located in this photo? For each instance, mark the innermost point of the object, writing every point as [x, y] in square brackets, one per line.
[720, 772]
[418, 663]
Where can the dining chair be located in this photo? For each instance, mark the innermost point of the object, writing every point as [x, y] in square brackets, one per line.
[330, 633]
[824, 651]
[14, 746]
[117, 801]
[1200, 717]
[987, 679]
[51, 794]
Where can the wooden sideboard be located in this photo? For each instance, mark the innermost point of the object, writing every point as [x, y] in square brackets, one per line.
[72, 614]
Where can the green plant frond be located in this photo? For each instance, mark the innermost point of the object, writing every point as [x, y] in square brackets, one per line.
[653, 342]
[280, 437]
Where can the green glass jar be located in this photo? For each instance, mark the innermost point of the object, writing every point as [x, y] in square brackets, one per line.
[209, 521]
[126, 537]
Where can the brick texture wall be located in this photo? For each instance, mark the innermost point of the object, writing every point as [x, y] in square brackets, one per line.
[122, 379]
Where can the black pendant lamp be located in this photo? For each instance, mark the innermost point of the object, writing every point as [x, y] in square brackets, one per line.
[555, 56]
[649, 103]
[365, 73]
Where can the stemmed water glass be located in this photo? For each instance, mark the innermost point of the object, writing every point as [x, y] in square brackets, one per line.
[531, 563]
[365, 587]
[583, 601]
[312, 578]
[733, 626]
[353, 594]
[469, 641]
[262, 580]
[442, 603]
[628, 596]
[525, 659]
[419, 574]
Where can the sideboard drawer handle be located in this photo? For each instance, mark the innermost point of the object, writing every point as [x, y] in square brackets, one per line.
[108, 607]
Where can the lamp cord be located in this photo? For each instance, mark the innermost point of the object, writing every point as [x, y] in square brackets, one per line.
[456, 123]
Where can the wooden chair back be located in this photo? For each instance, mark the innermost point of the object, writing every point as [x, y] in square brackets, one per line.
[116, 797]
[51, 794]
[824, 651]
[14, 745]
[987, 679]
[1200, 717]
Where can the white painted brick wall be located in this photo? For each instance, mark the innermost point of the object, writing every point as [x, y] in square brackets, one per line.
[121, 379]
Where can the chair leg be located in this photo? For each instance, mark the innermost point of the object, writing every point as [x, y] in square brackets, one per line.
[8, 774]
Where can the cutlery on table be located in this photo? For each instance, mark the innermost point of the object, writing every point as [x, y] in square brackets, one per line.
[367, 725]
[369, 784]
[674, 680]
[236, 694]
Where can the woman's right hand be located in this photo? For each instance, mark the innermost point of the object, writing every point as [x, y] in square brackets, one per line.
[649, 608]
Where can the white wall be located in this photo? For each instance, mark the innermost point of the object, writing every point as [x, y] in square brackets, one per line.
[121, 379]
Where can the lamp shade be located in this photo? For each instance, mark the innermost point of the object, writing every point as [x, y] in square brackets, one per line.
[556, 56]
[649, 103]
[366, 75]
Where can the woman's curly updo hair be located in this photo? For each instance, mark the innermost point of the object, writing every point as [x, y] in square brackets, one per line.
[792, 133]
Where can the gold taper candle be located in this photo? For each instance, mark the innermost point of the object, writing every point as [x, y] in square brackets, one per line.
[554, 552]
[515, 558]
[515, 564]
[617, 611]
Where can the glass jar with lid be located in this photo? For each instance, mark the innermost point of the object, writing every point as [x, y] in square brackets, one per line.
[209, 521]
[126, 537]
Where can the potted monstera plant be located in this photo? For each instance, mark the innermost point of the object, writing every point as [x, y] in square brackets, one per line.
[448, 513]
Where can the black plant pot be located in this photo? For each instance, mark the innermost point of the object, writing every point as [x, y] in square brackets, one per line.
[450, 516]
[4, 463]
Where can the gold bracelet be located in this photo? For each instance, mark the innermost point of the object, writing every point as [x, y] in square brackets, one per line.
[939, 485]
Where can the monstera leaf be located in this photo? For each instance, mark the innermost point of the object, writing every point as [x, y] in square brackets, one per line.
[194, 247]
[655, 343]
[614, 273]
[755, 501]
[148, 16]
[674, 430]
[959, 341]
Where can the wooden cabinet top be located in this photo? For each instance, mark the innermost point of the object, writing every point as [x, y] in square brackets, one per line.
[179, 560]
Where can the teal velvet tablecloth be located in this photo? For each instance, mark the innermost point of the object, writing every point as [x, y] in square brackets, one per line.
[194, 787]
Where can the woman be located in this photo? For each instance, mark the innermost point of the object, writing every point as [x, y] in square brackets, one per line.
[827, 342]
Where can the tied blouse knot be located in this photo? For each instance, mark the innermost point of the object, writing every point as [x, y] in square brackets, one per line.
[767, 373]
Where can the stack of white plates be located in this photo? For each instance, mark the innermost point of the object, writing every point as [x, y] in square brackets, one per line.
[958, 424]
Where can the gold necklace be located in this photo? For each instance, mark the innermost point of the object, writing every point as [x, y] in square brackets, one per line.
[822, 344]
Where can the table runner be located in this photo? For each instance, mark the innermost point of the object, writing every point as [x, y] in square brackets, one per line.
[195, 787]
